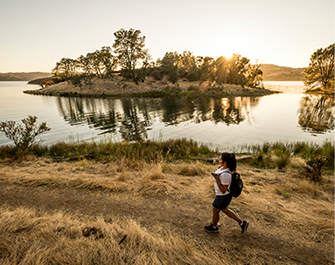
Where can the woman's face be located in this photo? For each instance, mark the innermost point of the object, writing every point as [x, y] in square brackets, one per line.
[220, 161]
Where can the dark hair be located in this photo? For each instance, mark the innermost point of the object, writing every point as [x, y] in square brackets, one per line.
[230, 159]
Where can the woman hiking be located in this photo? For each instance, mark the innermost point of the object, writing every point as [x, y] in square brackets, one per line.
[222, 181]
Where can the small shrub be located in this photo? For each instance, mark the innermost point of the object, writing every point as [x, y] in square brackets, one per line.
[283, 159]
[262, 161]
[266, 147]
[76, 80]
[176, 88]
[192, 76]
[24, 135]
[286, 194]
[299, 148]
[167, 89]
[156, 173]
[157, 74]
[47, 83]
[315, 167]
[193, 88]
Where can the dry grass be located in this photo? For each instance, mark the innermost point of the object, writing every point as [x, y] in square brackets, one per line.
[31, 237]
[161, 208]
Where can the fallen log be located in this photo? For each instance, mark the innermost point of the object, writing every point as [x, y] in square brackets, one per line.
[73, 158]
[215, 160]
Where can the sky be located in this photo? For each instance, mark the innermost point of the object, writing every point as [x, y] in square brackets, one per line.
[36, 34]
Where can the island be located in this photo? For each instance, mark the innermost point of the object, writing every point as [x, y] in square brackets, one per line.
[120, 87]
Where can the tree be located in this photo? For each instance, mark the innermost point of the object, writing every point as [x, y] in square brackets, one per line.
[97, 63]
[108, 60]
[207, 68]
[238, 67]
[86, 64]
[187, 62]
[320, 72]
[129, 46]
[170, 65]
[254, 75]
[24, 135]
[65, 69]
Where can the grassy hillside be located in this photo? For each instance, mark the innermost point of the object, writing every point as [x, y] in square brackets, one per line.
[22, 76]
[273, 72]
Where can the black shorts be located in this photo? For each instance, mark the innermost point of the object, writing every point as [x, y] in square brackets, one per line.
[222, 202]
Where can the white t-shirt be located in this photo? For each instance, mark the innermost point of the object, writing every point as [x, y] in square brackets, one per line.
[225, 179]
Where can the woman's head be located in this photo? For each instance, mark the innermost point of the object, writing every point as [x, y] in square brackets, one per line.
[230, 160]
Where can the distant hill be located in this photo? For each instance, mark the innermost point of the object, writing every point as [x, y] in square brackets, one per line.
[273, 72]
[23, 76]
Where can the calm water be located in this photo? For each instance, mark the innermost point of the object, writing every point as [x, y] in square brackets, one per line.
[223, 123]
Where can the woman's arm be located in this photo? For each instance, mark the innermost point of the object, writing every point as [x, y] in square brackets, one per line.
[223, 188]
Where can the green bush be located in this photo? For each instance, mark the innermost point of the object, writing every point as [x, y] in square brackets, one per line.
[24, 135]
[76, 80]
[192, 76]
[315, 168]
[283, 158]
[262, 160]
[157, 74]
[193, 88]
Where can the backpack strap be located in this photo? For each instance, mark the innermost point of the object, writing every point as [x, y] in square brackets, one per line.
[231, 180]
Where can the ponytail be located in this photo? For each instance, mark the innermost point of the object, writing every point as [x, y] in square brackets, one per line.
[230, 159]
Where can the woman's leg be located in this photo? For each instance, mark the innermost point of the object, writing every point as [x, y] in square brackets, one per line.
[231, 214]
[216, 216]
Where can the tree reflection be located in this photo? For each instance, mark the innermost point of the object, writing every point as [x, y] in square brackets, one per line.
[131, 118]
[177, 110]
[225, 111]
[316, 114]
[105, 122]
[231, 110]
[135, 121]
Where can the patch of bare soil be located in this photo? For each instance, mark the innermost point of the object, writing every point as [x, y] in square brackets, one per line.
[291, 220]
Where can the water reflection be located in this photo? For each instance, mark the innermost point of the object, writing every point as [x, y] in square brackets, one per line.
[135, 121]
[131, 118]
[316, 114]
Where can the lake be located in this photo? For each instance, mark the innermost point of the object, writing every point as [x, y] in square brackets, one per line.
[223, 123]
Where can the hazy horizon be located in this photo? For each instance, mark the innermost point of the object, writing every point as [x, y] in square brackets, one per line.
[37, 34]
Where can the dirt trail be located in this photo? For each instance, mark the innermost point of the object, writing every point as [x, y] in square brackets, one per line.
[185, 216]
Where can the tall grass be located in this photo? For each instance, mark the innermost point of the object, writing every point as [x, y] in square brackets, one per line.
[33, 237]
[148, 151]
[279, 154]
[266, 155]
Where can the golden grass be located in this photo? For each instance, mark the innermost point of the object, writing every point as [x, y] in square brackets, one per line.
[31, 237]
[161, 208]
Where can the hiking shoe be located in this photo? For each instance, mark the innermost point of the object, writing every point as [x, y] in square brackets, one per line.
[211, 229]
[244, 226]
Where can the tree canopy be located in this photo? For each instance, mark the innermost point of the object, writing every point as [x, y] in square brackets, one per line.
[128, 52]
[320, 72]
[129, 47]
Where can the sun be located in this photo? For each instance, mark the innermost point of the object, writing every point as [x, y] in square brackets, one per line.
[226, 49]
